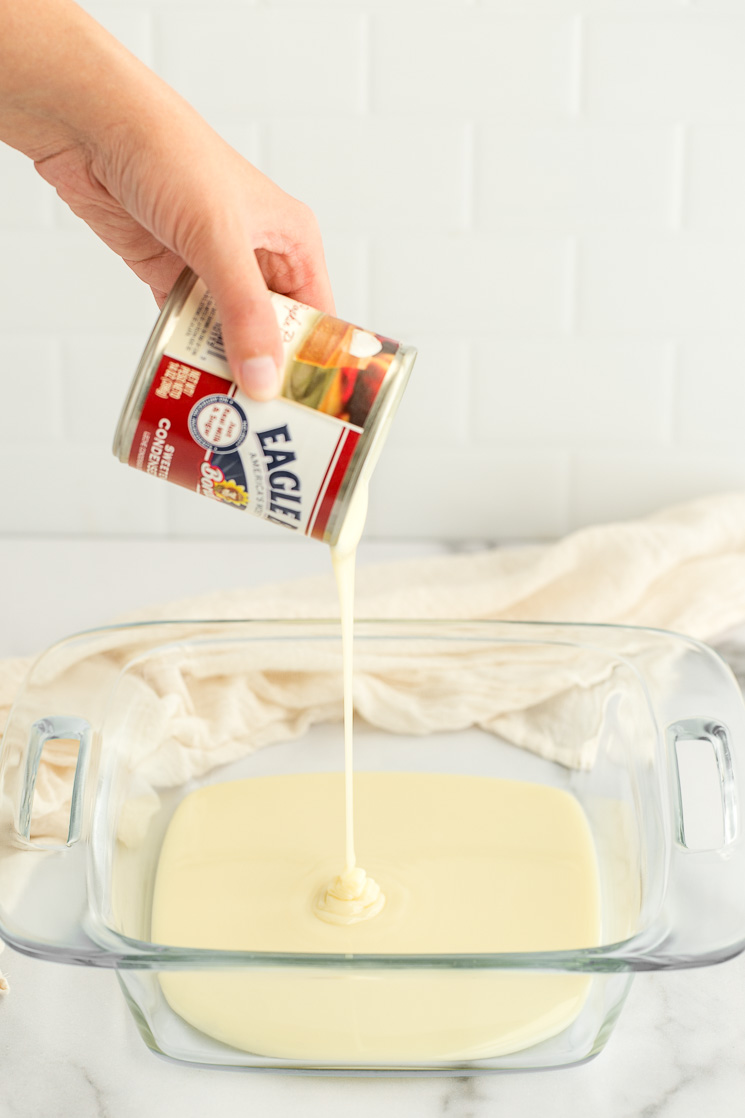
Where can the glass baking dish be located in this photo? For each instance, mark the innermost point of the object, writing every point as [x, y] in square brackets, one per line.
[644, 728]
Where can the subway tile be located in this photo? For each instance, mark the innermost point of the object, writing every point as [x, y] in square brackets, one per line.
[192, 516]
[473, 61]
[714, 195]
[63, 218]
[434, 409]
[30, 389]
[685, 66]
[470, 494]
[65, 490]
[346, 259]
[618, 486]
[374, 174]
[69, 282]
[564, 392]
[97, 370]
[574, 177]
[374, 5]
[26, 201]
[661, 284]
[469, 284]
[241, 134]
[710, 392]
[583, 6]
[194, 6]
[727, 6]
[129, 23]
[270, 61]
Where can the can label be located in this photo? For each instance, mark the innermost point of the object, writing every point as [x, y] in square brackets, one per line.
[285, 459]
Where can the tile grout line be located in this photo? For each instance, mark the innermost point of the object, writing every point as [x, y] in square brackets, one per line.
[57, 345]
[469, 176]
[570, 294]
[678, 185]
[566, 505]
[152, 38]
[670, 393]
[466, 435]
[262, 146]
[365, 89]
[367, 284]
[571, 504]
[577, 87]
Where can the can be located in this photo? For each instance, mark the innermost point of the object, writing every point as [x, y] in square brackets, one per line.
[295, 460]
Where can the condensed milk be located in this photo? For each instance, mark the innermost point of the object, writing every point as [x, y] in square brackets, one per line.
[467, 864]
[351, 895]
[434, 864]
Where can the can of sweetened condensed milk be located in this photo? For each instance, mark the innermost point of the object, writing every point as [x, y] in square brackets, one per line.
[294, 460]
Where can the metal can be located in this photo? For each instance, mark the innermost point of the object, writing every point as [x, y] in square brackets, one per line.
[294, 460]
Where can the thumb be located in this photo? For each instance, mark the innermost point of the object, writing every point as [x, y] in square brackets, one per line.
[253, 345]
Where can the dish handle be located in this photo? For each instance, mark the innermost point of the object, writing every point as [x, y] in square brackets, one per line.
[704, 904]
[43, 731]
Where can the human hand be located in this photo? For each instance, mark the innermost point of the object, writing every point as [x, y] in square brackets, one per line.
[163, 190]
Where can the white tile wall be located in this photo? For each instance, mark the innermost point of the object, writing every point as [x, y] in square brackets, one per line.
[62, 282]
[682, 65]
[575, 393]
[511, 283]
[94, 365]
[662, 284]
[546, 196]
[425, 185]
[461, 492]
[575, 176]
[77, 490]
[642, 482]
[472, 62]
[265, 59]
[710, 401]
[715, 178]
[26, 202]
[31, 399]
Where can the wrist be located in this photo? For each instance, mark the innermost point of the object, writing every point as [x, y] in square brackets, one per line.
[64, 81]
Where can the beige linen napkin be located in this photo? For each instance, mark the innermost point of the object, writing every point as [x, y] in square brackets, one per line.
[681, 569]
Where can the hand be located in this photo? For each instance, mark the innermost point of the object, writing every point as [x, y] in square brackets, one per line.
[174, 193]
[161, 188]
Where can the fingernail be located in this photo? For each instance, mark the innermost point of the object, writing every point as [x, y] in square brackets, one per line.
[259, 377]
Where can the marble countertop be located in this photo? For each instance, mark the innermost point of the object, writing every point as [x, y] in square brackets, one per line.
[69, 1048]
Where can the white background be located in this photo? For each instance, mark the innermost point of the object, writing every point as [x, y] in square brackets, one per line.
[547, 197]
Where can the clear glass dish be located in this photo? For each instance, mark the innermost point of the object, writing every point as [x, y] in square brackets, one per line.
[652, 726]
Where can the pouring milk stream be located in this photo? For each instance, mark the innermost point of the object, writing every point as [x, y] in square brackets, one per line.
[467, 863]
[352, 895]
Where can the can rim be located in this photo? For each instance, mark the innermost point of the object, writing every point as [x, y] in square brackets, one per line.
[371, 440]
[148, 365]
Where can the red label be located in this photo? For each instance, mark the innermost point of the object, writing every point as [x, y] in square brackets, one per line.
[337, 471]
[279, 460]
[163, 445]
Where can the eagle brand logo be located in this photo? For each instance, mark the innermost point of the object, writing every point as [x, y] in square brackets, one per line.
[284, 483]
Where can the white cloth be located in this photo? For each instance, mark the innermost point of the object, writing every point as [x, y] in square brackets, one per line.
[681, 569]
